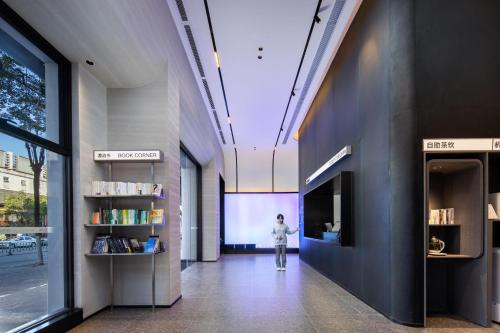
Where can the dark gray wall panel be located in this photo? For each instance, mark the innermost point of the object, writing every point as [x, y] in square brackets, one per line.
[352, 108]
[458, 67]
[406, 230]
[407, 69]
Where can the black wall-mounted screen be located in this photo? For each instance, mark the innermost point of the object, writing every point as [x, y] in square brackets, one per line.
[329, 205]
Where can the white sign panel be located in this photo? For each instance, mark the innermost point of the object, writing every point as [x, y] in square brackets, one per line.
[128, 155]
[459, 145]
[337, 157]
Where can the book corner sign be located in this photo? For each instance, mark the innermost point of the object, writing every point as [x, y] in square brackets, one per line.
[461, 145]
[128, 155]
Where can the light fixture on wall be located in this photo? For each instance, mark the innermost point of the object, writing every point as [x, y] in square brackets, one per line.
[296, 136]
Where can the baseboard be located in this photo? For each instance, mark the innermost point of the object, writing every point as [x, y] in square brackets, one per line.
[62, 322]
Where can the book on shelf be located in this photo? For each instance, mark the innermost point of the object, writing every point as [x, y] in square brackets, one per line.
[105, 243]
[105, 188]
[135, 245]
[127, 216]
[157, 190]
[96, 218]
[442, 216]
[100, 244]
[157, 216]
[126, 244]
[153, 244]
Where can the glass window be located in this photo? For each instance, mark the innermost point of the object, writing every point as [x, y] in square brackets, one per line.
[33, 260]
[28, 86]
[31, 236]
[32, 263]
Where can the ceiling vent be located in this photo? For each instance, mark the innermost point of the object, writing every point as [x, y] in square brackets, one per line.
[209, 94]
[222, 137]
[182, 10]
[216, 120]
[196, 56]
[194, 49]
[330, 27]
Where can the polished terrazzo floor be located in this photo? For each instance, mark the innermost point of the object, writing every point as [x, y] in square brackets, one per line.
[244, 293]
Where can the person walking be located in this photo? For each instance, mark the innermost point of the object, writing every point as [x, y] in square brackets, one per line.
[280, 231]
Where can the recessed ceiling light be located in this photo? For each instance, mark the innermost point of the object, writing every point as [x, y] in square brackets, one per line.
[90, 63]
[217, 60]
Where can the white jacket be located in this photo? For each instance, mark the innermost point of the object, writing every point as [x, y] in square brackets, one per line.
[279, 233]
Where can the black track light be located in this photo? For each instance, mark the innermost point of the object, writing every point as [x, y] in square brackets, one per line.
[317, 19]
[293, 93]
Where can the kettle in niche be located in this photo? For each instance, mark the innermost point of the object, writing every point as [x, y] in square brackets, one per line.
[436, 246]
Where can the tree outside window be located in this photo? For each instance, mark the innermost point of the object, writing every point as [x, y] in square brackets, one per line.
[22, 102]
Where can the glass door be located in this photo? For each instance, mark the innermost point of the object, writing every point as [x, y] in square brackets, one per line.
[189, 211]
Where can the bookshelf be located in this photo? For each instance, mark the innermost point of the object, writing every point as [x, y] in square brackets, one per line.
[109, 201]
[131, 196]
[90, 225]
[122, 254]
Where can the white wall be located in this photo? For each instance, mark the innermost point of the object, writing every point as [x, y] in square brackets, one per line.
[148, 118]
[255, 170]
[89, 132]
[200, 138]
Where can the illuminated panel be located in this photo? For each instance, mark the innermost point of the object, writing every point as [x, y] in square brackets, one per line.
[250, 217]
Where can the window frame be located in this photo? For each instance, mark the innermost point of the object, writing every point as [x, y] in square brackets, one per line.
[63, 147]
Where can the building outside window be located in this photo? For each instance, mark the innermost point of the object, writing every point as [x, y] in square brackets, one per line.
[34, 159]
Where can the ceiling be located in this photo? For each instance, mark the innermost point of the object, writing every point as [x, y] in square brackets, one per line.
[125, 40]
[257, 91]
[122, 38]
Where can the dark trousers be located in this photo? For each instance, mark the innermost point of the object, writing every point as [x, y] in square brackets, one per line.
[281, 252]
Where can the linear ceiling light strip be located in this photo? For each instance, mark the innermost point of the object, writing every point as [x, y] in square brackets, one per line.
[222, 86]
[292, 93]
[330, 28]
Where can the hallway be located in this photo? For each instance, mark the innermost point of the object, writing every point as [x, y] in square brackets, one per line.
[244, 293]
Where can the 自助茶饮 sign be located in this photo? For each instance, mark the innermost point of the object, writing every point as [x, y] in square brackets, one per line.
[459, 145]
